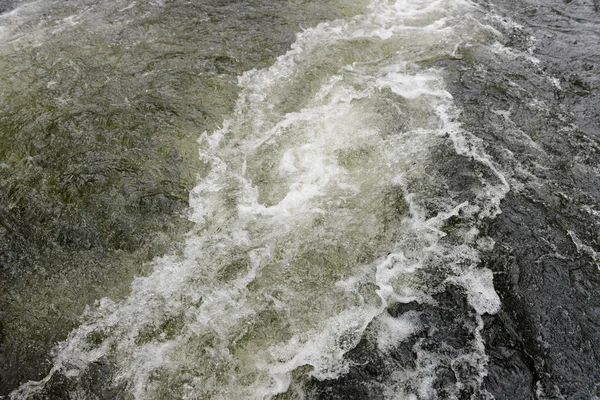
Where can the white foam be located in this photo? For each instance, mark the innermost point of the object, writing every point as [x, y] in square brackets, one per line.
[128, 7]
[392, 331]
[479, 283]
[283, 267]
[584, 248]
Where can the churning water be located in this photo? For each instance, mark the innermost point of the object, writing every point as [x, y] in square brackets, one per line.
[319, 204]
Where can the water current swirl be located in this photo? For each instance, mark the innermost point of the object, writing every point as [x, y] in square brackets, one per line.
[317, 209]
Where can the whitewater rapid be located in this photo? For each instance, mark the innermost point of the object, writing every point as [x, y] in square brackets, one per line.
[316, 210]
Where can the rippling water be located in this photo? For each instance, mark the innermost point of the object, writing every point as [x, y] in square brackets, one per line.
[248, 200]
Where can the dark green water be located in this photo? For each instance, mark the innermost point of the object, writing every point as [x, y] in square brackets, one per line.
[297, 199]
[101, 110]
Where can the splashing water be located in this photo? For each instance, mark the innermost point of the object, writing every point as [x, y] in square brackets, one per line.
[316, 209]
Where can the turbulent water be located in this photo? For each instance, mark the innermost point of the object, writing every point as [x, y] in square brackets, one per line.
[374, 202]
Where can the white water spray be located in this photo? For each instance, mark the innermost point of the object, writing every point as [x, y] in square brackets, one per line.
[316, 212]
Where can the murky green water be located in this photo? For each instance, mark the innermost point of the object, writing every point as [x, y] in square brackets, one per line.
[232, 200]
[102, 104]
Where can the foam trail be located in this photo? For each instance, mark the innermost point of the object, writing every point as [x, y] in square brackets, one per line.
[317, 211]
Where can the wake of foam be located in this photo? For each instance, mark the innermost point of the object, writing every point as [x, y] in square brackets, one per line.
[316, 212]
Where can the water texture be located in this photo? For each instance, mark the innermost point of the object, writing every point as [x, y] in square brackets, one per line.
[383, 200]
[102, 104]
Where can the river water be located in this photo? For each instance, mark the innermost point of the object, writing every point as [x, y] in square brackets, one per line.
[299, 200]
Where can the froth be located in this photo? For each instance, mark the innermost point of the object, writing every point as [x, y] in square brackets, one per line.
[321, 169]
